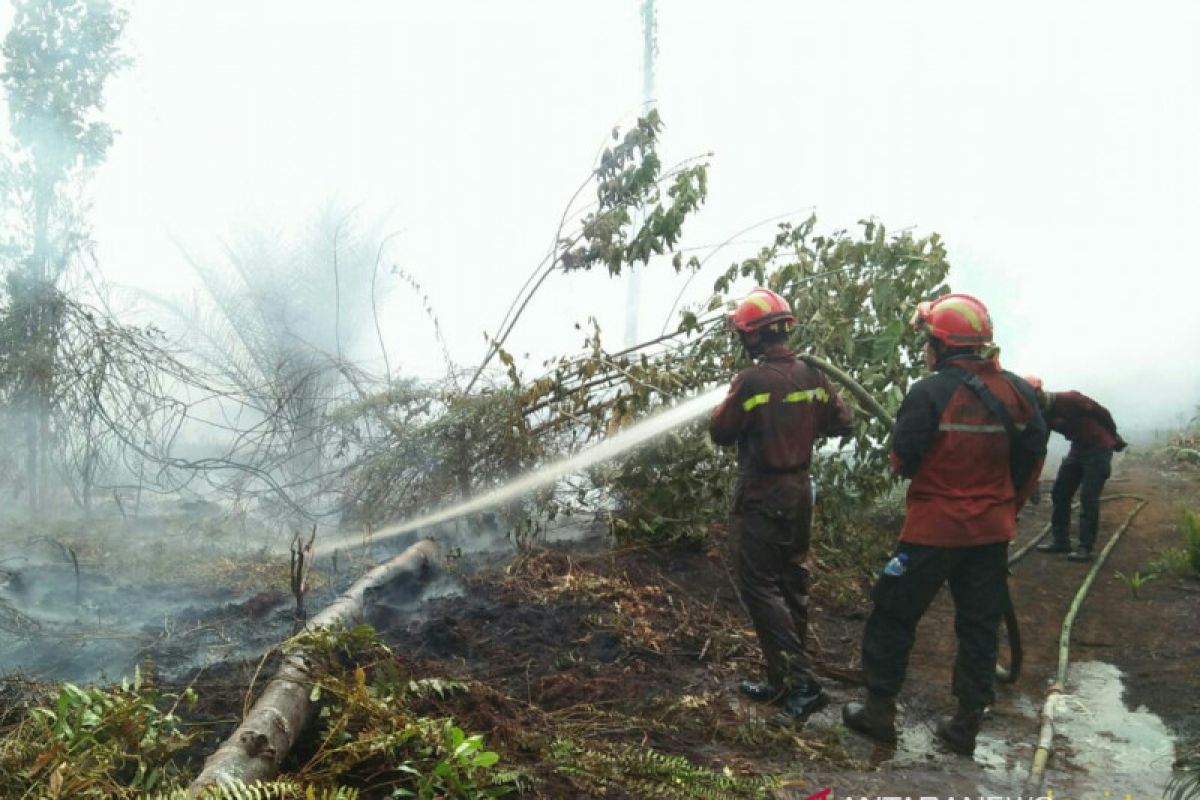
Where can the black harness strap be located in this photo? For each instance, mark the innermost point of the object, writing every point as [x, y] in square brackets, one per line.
[989, 400]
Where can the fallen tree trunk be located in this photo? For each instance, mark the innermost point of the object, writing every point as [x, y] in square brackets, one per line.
[259, 745]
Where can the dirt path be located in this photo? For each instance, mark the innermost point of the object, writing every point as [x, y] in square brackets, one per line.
[1134, 679]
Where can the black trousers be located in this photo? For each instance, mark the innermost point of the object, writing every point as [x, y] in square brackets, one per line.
[770, 556]
[978, 578]
[1084, 472]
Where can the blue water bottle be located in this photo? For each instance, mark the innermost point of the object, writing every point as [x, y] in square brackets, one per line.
[897, 566]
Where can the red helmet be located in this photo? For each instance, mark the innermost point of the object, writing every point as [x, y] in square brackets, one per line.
[956, 320]
[761, 308]
[1034, 381]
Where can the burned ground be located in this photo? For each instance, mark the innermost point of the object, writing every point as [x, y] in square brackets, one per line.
[580, 661]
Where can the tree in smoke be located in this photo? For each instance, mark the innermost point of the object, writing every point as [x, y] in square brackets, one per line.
[279, 325]
[59, 56]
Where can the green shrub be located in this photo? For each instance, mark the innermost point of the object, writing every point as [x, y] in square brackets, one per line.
[369, 729]
[670, 491]
[1182, 561]
[93, 742]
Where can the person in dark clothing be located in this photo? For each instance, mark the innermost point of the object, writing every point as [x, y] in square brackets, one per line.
[1090, 429]
[773, 413]
[971, 440]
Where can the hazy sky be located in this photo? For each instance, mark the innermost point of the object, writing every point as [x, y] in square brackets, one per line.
[1055, 146]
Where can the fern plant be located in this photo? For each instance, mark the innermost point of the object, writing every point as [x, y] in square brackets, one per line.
[371, 730]
[648, 773]
[265, 790]
[1185, 784]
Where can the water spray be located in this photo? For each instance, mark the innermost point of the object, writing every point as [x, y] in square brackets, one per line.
[610, 448]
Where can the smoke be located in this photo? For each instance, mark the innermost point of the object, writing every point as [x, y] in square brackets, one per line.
[612, 447]
[1057, 161]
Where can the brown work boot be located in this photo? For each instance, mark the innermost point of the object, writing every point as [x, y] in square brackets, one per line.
[875, 718]
[958, 732]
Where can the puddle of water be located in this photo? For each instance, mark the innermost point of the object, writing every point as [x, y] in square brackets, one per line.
[1102, 750]
[1117, 750]
[1000, 763]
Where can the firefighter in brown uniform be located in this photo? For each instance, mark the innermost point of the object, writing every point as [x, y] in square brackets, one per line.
[971, 439]
[773, 413]
[1090, 429]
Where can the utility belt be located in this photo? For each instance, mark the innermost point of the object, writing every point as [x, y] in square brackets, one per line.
[761, 470]
[779, 514]
[778, 495]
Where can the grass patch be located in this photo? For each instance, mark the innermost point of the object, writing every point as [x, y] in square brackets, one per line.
[1183, 561]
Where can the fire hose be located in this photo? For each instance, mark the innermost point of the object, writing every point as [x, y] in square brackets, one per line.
[1041, 755]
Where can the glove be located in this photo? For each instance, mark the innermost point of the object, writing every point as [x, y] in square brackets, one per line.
[1120, 445]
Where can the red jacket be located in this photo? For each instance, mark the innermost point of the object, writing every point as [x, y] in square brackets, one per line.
[1086, 424]
[957, 454]
[774, 411]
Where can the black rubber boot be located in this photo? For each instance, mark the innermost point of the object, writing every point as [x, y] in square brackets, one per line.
[1081, 554]
[760, 691]
[1060, 543]
[875, 718]
[799, 704]
[958, 732]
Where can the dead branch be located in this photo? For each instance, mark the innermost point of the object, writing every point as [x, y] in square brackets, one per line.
[301, 565]
[259, 745]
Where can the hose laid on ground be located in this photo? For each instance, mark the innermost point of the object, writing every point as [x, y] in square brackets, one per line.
[1016, 653]
[1041, 756]
[1025, 548]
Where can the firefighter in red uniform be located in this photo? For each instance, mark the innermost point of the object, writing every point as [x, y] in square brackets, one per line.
[773, 413]
[1090, 429]
[971, 439]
